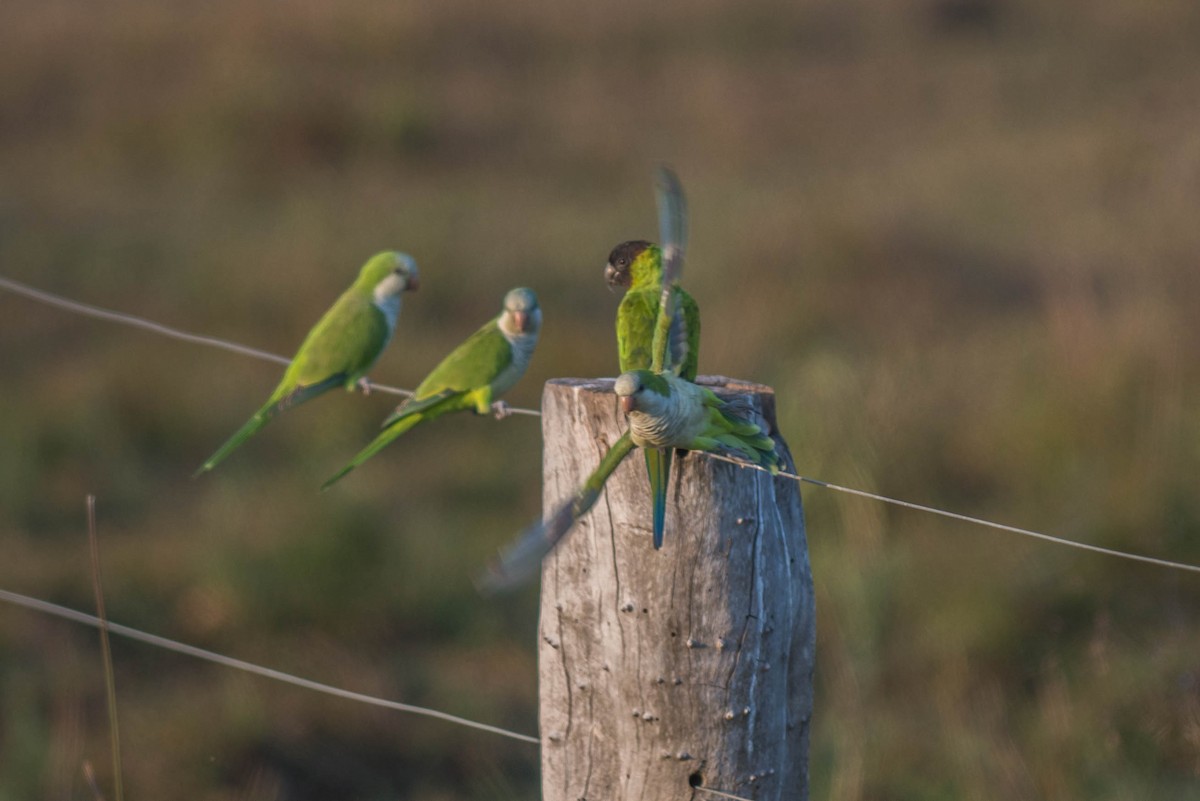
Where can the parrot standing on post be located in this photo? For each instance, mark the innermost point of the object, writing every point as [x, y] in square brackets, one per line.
[666, 341]
[342, 346]
[472, 377]
[667, 411]
[638, 266]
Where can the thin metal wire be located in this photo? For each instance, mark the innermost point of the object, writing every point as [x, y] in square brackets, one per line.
[157, 328]
[118, 317]
[966, 518]
[248, 667]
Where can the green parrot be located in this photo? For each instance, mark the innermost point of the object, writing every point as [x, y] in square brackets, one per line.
[666, 411]
[343, 344]
[472, 377]
[637, 266]
[666, 341]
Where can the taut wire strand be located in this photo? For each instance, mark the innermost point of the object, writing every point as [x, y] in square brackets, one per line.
[966, 518]
[137, 322]
[248, 667]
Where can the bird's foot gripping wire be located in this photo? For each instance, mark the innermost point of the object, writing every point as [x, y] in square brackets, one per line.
[500, 410]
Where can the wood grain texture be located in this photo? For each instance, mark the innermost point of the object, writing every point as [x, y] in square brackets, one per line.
[661, 670]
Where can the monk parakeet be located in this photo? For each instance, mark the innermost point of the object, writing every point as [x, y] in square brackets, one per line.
[666, 411]
[664, 340]
[638, 267]
[343, 344]
[474, 375]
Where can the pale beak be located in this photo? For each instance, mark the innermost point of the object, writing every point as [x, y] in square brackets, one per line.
[627, 403]
[521, 319]
[610, 275]
[412, 284]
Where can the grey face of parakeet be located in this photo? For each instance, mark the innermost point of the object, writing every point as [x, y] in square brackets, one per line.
[618, 272]
[642, 391]
[521, 316]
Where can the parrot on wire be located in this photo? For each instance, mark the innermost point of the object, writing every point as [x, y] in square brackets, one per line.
[341, 347]
[472, 377]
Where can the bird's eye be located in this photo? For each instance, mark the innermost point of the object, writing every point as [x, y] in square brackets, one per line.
[620, 262]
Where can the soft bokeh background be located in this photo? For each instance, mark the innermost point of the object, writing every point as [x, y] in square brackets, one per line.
[959, 237]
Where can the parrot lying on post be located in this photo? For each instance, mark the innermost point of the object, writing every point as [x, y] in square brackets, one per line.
[342, 346]
[473, 376]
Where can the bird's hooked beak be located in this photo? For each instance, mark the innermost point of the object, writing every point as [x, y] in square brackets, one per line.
[412, 283]
[627, 404]
[521, 320]
[610, 276]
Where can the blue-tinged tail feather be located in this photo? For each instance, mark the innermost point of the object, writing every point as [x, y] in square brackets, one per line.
[658, 465]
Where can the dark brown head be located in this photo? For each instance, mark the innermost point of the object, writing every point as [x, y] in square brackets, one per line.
[617, 272]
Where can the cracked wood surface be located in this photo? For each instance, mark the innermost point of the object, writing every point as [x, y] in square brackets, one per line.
[661, 670]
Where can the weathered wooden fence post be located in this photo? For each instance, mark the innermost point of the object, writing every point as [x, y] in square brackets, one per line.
[687, 667]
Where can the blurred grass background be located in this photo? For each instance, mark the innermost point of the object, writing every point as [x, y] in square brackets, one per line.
[958, 236]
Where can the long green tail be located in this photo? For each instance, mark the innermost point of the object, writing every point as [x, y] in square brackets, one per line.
[280, 399]
[658, 465]
[251, 427]
[379, 443]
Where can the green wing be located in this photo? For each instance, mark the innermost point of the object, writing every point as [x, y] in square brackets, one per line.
[730, 429]
[342, 346]
[518, 562]
[659, 328]
[345, 342]
[636, 317]
[450, 387]
[672, 225]
[472, 365]
[635, 329]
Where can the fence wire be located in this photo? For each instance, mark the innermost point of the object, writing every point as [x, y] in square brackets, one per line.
[163, 330]
[67, 613]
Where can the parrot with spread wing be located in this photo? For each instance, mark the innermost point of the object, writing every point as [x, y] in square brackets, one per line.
[638, 267]
[659, 334]
[342, 346]
[666, 411]
[519, 561]
[472, 377]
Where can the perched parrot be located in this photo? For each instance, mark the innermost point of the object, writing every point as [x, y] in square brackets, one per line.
[638, 266]
[666, 411]
[519, 561]
[343, 344]
[473, 376]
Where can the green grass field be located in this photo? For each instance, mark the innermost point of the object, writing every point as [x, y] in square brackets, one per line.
[957, 236]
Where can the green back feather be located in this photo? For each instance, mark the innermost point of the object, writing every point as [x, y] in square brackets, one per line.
[475, 363]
